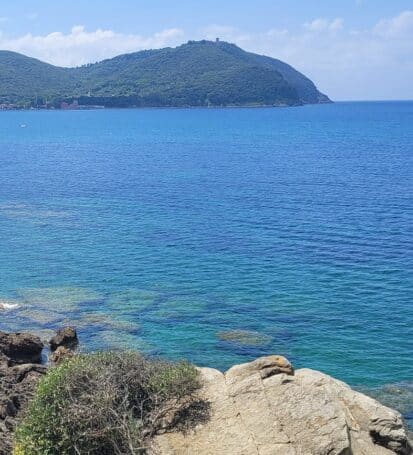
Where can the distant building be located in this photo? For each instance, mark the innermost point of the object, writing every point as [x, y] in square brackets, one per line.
[8, 107]
[67, 106]
[76, 106]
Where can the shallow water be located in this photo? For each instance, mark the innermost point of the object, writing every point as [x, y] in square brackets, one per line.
[286, 230]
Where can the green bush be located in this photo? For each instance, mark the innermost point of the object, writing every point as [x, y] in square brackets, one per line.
[106, 403]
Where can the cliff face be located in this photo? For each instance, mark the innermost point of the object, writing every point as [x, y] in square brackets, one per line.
[264, 408]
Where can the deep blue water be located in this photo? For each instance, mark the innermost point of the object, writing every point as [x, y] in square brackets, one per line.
[166, 230]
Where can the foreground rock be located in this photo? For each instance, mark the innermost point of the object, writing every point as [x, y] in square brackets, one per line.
[20, 370]
[21, 347]
[264, 408]
[17, 380]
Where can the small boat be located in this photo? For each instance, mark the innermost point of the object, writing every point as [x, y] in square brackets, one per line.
[23, 125]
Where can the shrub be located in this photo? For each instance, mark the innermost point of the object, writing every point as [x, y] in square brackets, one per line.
[106, 403]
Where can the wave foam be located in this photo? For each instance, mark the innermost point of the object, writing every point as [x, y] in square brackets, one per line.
[8, 306]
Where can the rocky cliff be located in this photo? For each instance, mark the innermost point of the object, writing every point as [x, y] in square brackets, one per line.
[266, 408]
[263, 408]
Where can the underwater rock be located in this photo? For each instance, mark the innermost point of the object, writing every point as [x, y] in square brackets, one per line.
[115, 340]
[59, 299]
[244, 337]
[102, 320]
[132, 300]
[41, 316]
[180, 309]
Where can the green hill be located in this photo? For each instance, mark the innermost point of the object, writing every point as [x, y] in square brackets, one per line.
[199, 73]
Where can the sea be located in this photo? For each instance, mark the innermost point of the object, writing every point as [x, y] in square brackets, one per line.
[217, 235]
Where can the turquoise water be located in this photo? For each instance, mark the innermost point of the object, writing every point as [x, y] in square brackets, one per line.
[216, 234]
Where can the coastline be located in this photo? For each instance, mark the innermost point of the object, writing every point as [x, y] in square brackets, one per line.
[98, 108]
[237, 403]
[227, 106]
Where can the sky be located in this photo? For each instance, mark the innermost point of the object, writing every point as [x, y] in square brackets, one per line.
[351, 49]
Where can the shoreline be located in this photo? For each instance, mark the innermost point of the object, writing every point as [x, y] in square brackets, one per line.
[234, 106]
[237, 403]
[397, 393]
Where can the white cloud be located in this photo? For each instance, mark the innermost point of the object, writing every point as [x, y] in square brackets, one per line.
[277, 33]
[321, 25]
[399, 26]
[81, 46]
[346, 63]
[336, 24]
[3, 19]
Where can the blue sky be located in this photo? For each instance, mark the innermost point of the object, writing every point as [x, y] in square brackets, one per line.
[352, 49]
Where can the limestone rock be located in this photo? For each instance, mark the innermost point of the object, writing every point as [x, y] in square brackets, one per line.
[66, 337]
[21, 347]
[264, 408]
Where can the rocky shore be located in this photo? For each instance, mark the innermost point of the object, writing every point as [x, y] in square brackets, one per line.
[21, 367]
[263, 407]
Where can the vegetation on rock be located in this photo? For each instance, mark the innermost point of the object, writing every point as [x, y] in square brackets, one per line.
[106, 403]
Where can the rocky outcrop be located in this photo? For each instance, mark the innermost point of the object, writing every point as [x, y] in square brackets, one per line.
[17, 380]
[20, 370]
[264, 408]
[65, 337]
[21, 347]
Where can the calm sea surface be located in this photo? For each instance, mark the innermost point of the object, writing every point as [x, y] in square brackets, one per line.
[216, 235]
